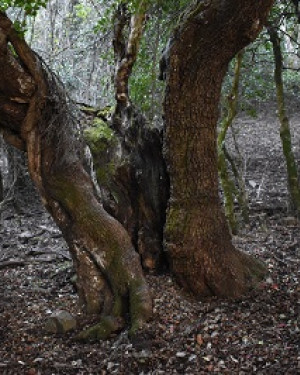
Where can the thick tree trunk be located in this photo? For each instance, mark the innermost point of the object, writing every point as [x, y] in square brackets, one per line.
[131, 172]
[129, 161]
[198, 241]
[35, 117]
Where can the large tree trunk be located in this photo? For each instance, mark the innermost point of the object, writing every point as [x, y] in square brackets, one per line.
[128, 150]
[35, 117]
[131, 172]
[198, 241]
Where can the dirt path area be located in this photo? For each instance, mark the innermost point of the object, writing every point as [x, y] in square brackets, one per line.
[258, 334]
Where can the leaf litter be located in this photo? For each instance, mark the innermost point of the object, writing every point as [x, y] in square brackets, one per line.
[256, 334]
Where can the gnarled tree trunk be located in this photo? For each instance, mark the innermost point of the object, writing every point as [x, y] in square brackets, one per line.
[198, 241]
[131, 172]
[35, 117]
[135, 185]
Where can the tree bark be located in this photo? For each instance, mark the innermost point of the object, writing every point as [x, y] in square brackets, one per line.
[135, 186]
[197, 237]
[228, 186]
[285, 133]
[1, 187]
[36, 117]
[133, 181]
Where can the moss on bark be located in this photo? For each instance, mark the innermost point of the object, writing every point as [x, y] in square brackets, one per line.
[285, 134]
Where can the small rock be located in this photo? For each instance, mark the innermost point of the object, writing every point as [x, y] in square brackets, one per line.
[25, 235]
[60, 321]
[38, 360]
[252, 184]
[269, 280]
[110, 365]
[214, 334]
[180, 354]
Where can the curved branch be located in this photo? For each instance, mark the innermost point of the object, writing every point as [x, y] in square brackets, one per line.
[126, 53]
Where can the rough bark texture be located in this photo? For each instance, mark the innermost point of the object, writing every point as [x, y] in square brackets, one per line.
[35, 117]
[129, 161]
[133, 181]
[285, 133]
[198, 241]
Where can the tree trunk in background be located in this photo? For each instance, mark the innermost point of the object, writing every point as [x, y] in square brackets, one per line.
[35, 117]
[285, 134]
[1, 187]
[228, 186]
[198, 241]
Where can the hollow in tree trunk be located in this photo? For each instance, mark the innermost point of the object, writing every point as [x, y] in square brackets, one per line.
[197, 237]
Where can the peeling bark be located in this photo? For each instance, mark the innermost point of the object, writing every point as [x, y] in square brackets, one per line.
[109, 272]
[198, 241]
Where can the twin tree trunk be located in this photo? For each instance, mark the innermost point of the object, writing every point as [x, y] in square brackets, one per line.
[35, 117]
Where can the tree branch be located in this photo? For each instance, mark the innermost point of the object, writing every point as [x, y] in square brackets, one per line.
[126, 53]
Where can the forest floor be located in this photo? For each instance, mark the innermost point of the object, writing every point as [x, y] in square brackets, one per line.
[257, 334]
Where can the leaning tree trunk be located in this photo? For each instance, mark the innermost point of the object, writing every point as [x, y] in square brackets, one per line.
[198, 241]
[36, 118]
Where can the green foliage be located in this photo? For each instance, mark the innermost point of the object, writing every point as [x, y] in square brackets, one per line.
[145, 89]
[104, 23]
[257, 82]
[82, 11]
[30, 7]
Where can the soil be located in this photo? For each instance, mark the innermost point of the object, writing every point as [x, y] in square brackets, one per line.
[257, 334]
